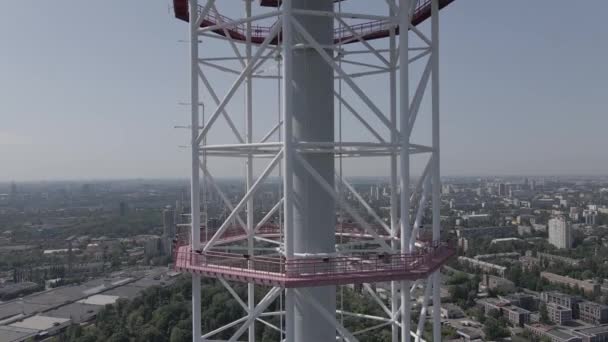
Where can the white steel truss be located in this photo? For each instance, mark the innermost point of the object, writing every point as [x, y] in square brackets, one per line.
[352, 59]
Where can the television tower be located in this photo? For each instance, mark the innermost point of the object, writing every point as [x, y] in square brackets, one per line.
[317, 60]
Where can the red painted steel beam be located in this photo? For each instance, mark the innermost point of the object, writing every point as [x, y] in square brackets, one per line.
[277, 3]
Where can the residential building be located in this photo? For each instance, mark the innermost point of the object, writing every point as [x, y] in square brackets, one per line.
[523, 300]
[529, 262]
[502, 189]
[492, 304]
[498, 283]
[557, 259]
[487, 232]
[476, 219]
[590, 217]
[593, 313]
[483, 265]
[561, 299]
[516, 315]
[558, 314]
[560, 233]
[169, 222]
[588, 286]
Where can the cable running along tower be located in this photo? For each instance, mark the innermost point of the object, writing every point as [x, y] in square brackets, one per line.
[322, 63]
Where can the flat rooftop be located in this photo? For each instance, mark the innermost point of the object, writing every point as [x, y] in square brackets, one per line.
[517, 309]
[594, 330]
[77, 312]
[562, 334]
[40, 323]
[12, 334]
[99, 300]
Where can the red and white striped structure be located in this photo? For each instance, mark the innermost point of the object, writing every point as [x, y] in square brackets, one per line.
[317, 56]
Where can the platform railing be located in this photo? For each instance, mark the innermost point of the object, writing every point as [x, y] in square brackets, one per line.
[259, 32]
[362, 264]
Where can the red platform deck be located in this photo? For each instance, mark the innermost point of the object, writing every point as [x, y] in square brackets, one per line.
[276, 271]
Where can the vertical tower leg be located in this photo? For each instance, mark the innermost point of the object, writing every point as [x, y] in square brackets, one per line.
[393, 171]
[249, 139]
[288, 159]
[436, 201]
[195, 180]
[404, 17]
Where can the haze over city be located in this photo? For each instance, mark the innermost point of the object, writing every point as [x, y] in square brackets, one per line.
[303, 171]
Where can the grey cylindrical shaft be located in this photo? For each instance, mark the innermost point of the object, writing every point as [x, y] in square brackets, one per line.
[314, 208]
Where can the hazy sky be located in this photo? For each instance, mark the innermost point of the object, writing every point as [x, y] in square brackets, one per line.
[90, 89]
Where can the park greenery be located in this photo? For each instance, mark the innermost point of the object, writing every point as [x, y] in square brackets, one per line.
[163, 314]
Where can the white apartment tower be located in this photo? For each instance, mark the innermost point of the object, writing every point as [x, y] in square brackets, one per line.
[560, 232]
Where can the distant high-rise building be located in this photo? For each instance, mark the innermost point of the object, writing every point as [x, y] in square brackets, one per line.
[502, 189]
[590, 217]
[123, 209]
[374, 192]
[169, 222]
[152, 246]
[13, 192]
[446, 189]
[574, 214]
[560, 233]
[178, 212]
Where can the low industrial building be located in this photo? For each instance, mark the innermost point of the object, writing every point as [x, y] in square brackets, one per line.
[594, 334]
[40, 315]
[554, 334]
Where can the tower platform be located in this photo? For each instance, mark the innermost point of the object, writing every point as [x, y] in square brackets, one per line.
[345, 35]
[305, 272]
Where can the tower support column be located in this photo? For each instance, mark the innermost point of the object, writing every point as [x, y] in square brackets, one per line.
[313, 208]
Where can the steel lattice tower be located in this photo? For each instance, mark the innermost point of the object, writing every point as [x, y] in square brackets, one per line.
[317, 49]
